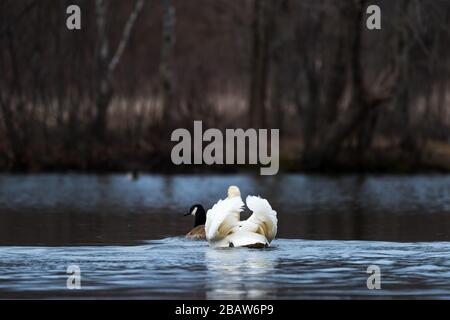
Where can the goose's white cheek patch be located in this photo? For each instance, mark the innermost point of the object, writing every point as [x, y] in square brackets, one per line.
[194, 211]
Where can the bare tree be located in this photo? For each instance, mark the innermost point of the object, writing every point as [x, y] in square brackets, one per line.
[363, 101]
[166, 61]
[106, 63]
[12, 105]
[262, 28]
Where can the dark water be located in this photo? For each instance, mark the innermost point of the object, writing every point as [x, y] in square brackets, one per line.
[126, 237]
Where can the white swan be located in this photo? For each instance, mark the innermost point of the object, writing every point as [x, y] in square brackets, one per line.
[224, 228]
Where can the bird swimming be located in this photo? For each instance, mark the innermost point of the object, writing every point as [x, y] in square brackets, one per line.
[224, 228]
[198, 232]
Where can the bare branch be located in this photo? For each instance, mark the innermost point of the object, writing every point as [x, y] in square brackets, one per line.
[138, 6]
[19, 17]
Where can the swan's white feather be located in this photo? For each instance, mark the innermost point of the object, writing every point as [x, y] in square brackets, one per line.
[263, 220]
[223, 225]
[222, 218]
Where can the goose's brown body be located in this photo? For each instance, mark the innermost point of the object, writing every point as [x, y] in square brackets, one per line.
[198, 233]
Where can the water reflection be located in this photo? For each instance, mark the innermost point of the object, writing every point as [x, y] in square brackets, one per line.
[239, 273]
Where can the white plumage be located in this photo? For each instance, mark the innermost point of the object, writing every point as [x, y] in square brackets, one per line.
[224, 228]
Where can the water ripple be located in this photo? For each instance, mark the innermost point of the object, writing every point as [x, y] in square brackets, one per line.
[181, 269]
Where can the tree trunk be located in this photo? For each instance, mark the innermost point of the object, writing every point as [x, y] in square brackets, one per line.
[166, 62]
[282, 62]
[106, 65]
[12, 108]
[104, 90]
[309, 104]
[347, 122]
[262, 27]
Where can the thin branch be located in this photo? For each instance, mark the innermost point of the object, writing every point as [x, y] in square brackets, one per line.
[138, 6]
[100, 7]
[17, 18]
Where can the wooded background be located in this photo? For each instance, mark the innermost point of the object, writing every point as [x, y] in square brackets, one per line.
[106, 97]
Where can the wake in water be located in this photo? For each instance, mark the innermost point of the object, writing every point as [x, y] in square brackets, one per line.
[182, 269]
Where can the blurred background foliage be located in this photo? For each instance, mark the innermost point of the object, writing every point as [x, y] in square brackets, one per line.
[106, 97]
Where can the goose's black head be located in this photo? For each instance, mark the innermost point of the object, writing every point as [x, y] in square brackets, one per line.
[199, 213]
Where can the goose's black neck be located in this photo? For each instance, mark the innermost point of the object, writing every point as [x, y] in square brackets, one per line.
[200, 216]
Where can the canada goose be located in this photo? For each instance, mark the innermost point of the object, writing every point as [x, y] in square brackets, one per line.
[225, 229]
[198, 232]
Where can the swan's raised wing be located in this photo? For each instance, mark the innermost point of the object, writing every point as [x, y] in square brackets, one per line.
[263, 220]
[222, 218]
